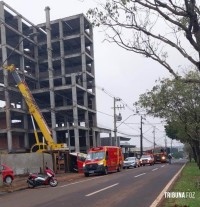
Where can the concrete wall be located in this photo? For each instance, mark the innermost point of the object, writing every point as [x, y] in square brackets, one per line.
[26, 162]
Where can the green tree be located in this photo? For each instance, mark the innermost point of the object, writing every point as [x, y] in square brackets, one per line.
[188, 151]
[176, 130]
[179, 104]
[153, 28]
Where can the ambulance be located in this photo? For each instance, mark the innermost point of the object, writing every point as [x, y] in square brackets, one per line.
[102, 160]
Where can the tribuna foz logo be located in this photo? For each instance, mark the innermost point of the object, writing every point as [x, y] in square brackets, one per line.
[179, 195]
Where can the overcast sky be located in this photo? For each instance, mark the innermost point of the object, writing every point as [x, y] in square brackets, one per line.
[123, 74]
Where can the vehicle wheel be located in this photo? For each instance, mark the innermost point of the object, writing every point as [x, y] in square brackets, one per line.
[135, 166]
[8, 179]
[86, 174]
[31, 185]
[106, 171]
[53, 182]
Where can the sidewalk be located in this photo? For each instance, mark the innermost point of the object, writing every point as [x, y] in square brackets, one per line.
[20, 183]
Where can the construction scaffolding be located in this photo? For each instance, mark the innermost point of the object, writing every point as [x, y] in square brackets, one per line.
[56, 59]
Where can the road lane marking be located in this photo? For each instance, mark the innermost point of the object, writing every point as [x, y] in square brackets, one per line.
[163, 166]
[82, 181]
[155, 169]
[139, 175]
[98, 191]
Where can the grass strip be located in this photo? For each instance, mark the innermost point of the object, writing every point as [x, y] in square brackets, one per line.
[186, 189]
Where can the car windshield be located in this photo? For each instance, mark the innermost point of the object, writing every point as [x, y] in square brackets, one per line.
[95, 155]
[145, 156]
[130, 159]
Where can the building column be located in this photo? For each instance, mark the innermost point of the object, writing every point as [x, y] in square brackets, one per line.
[87, 140]
[22, 67]
[94, 138]
[98, 138]
[75, 112]
[25, 121]
[5, 73]
[84, 78]
[51, 80]
[62, 52]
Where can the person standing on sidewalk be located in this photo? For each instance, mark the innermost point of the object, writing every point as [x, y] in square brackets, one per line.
[170, 158]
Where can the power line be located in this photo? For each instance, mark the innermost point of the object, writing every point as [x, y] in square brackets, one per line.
[104, 113]
[147, 130]
[147, 140]
[130, 135]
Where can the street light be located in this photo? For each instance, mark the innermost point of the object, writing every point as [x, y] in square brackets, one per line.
[141, 132]
[126, 119]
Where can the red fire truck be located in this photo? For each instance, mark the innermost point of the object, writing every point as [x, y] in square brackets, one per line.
[101, 160]
[159, 153]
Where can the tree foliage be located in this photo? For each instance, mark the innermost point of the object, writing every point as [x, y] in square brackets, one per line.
[179, 104]
[174, 101]
[154, 28]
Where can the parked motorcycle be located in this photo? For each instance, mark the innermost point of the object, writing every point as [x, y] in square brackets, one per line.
[35, 180]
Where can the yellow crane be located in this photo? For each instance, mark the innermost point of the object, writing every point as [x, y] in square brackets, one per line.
[35, 112]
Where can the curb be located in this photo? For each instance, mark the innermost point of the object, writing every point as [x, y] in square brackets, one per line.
[20, 183]
[168, 187]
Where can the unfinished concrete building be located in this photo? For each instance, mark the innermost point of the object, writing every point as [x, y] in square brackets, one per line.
[56, 59]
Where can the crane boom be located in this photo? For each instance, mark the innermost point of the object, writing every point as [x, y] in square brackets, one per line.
[34, 111]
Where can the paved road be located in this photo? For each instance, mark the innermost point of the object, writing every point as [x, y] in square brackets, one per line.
[132, 187]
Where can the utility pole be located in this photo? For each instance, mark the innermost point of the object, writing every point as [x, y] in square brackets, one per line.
[141, 138]
[115, 123]
[154, 137]
[116, 118]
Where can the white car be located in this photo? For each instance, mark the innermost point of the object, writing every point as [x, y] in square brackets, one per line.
[147, 160]
[131, 162]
